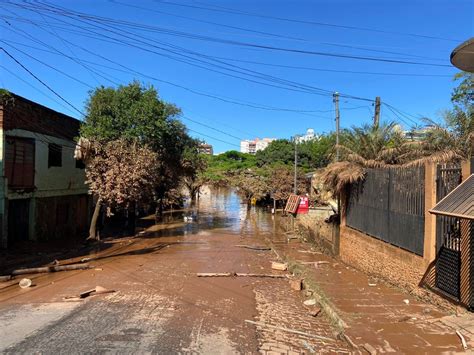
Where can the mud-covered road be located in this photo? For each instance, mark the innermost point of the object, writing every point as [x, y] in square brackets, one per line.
[160, 305]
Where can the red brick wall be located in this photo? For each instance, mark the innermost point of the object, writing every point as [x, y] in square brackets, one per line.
[24, 114]
[381, 259]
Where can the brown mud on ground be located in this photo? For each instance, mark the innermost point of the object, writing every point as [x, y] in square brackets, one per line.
[378, 317]
[160, 305]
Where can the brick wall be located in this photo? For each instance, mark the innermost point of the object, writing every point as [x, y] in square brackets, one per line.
[381, 259]
[21, 113]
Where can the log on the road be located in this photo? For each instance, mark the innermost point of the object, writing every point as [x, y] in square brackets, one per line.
[254, 247]
[236, 274]
[54, 268]
[288, 330]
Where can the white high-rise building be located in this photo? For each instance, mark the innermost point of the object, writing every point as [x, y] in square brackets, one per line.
[309, 136]
[253, 146]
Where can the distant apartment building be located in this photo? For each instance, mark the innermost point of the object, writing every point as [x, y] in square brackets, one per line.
[418, 134]
[206, 149]
[43, 194]
[253, 146]
[308, 136]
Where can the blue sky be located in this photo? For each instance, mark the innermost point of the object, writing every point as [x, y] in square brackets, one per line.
[398, 30]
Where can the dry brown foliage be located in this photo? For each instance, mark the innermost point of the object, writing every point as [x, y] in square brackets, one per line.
[121, 172]
[338, 175]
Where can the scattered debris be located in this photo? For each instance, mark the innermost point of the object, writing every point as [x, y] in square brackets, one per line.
[98, 290]
[279, 266]
[39, 270]
[315, 312]
[296, 284]
[348, 340]
[254, 247]
[309, 347]
[406, 301]
[84, 260]
[232, 274]
[98, 269]
[372, 285]
[56, 262]
[370, 349]
[5, 278]
[463, 340]
[25, 283]
[309, 252]
[404, 319]
[260, 324]
[310, 302]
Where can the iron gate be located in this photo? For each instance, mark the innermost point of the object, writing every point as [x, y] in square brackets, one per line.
[448, 234]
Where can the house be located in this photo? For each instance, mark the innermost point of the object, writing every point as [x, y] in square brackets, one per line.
[43, 195]
[206, 149]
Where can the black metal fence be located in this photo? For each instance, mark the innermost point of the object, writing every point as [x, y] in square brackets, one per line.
[448, 234]
[390, 205]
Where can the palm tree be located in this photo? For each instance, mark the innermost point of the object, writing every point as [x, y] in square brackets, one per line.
[368, 146]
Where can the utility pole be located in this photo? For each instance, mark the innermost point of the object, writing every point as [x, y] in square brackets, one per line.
[336, 109]
[296, 165]
[377, 112]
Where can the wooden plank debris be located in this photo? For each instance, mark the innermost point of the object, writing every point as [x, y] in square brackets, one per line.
[463, 340]
[288, 330]
[279, 266]
[54, 268]
[254, 247]
[236, 274]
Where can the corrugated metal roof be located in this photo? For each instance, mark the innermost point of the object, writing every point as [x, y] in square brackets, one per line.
[459, 202]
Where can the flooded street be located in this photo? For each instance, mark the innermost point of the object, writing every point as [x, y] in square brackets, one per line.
[159, 304]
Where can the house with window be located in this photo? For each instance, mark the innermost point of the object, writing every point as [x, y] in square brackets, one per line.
[43, 195]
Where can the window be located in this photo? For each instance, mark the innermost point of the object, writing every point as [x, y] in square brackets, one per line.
[80, 164]
[54, 155]
[20, 162]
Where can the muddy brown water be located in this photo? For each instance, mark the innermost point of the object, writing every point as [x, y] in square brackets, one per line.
[159, 304]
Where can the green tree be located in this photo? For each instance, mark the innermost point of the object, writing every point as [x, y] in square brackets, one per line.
[135, 113]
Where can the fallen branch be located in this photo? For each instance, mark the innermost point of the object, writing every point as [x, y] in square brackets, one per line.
[288, 330]
[253, 247]
[54, 268]
[234, 274]
[309, 252]
[313, 262]
[463, 340]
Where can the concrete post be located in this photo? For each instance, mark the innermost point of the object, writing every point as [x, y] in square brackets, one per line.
[429, 249]
[466, 169]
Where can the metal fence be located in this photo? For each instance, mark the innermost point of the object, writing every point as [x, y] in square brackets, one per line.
[448, 234]
[389, 205]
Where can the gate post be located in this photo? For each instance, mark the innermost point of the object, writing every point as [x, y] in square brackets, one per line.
[429, 247]
[466, 169]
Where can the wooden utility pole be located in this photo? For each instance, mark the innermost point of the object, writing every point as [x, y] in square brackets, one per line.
[377, 112]
[336, 109]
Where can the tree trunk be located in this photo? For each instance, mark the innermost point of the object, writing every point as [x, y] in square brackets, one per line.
[95, 216]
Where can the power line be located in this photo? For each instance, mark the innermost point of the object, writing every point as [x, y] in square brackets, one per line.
[269, 34]
[223, 9]
[41, 81]
[211, 137]
[54, 9]
[210, 127]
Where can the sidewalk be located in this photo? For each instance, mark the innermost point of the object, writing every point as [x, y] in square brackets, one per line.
[379, 318]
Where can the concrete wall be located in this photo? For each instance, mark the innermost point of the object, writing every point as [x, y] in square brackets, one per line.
[52, 181]
[318, 232]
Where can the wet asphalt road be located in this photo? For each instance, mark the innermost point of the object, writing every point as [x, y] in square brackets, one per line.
[159, 305]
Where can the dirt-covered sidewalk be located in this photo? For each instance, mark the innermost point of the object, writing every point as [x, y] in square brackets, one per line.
[373, 316]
